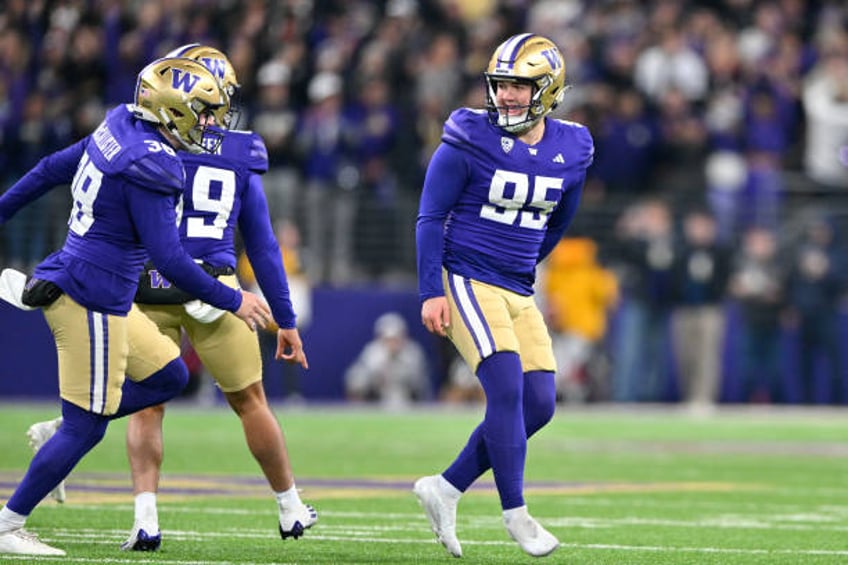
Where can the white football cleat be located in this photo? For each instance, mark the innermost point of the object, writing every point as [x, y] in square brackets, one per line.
[530, 535]
[440, 511]
[293, 523]
[22, 542]
[38, 435]
[140, 540]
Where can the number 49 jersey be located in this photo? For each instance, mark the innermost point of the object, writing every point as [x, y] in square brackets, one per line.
[217, 189]
[498, 199]
[224, 191]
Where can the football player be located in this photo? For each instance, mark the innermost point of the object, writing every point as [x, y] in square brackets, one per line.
[127, 181]
[223, 192]
[499, 193]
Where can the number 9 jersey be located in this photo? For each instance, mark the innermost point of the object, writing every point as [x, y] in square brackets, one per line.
[492, 206]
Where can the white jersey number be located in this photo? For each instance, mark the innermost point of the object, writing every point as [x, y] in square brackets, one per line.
[84, 189]
[220, 206]
[507, 209]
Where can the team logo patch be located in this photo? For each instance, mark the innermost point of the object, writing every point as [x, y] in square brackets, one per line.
[506, 144]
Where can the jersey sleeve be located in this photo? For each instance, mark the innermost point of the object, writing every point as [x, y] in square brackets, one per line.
[53, 170]
[264, 253]
[460, 127]
[446, 176]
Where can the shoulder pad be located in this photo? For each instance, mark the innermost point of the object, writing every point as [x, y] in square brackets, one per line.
[246, 148]
[579, 138]
[126, 147]
[463, 126]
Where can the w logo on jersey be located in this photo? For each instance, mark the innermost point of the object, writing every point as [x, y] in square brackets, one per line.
[181, 79]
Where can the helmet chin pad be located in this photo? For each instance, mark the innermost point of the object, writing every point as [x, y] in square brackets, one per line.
[516, 124]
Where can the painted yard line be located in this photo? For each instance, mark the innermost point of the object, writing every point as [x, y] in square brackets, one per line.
[593, 502]
[504, 543]
[788, 522]
[419, 525]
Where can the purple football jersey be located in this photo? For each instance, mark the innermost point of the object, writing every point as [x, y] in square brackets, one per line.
[224, 191]
[495, 200]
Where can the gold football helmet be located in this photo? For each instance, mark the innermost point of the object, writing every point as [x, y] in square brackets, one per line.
[181, 95]
[530, 59]
[220, 66]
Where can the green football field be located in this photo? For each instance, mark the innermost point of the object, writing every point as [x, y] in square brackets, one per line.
[616, 485]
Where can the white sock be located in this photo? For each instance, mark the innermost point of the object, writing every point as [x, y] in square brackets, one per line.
[448, 489]
[288, 498]
[513, 513]
[146, 515]
[10, 520]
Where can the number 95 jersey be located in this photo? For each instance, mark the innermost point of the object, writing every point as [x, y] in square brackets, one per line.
[498, 199]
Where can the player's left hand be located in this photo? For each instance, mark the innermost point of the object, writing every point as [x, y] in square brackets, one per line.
[290, 348]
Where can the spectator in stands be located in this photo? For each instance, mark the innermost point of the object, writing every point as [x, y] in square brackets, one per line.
[275, 119]
[331, 181]
[391, 369]
[701, 272]
[645, 263]
[372, 122]
[825, 96]
[815, 287]
[671, 65]
[578, 294]
[757, 283]
[628, 141]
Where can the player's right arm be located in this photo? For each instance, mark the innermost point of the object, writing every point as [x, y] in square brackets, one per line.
[155, 220]
[53, 170]
[445, 180]
[154, 181]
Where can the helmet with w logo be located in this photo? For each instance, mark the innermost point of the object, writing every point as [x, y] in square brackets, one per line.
[530, 59]
[182, 95]
[220, 66]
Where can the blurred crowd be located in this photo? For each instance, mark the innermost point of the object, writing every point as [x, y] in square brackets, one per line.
[732, 107]
[678, 314]
[718, 101]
